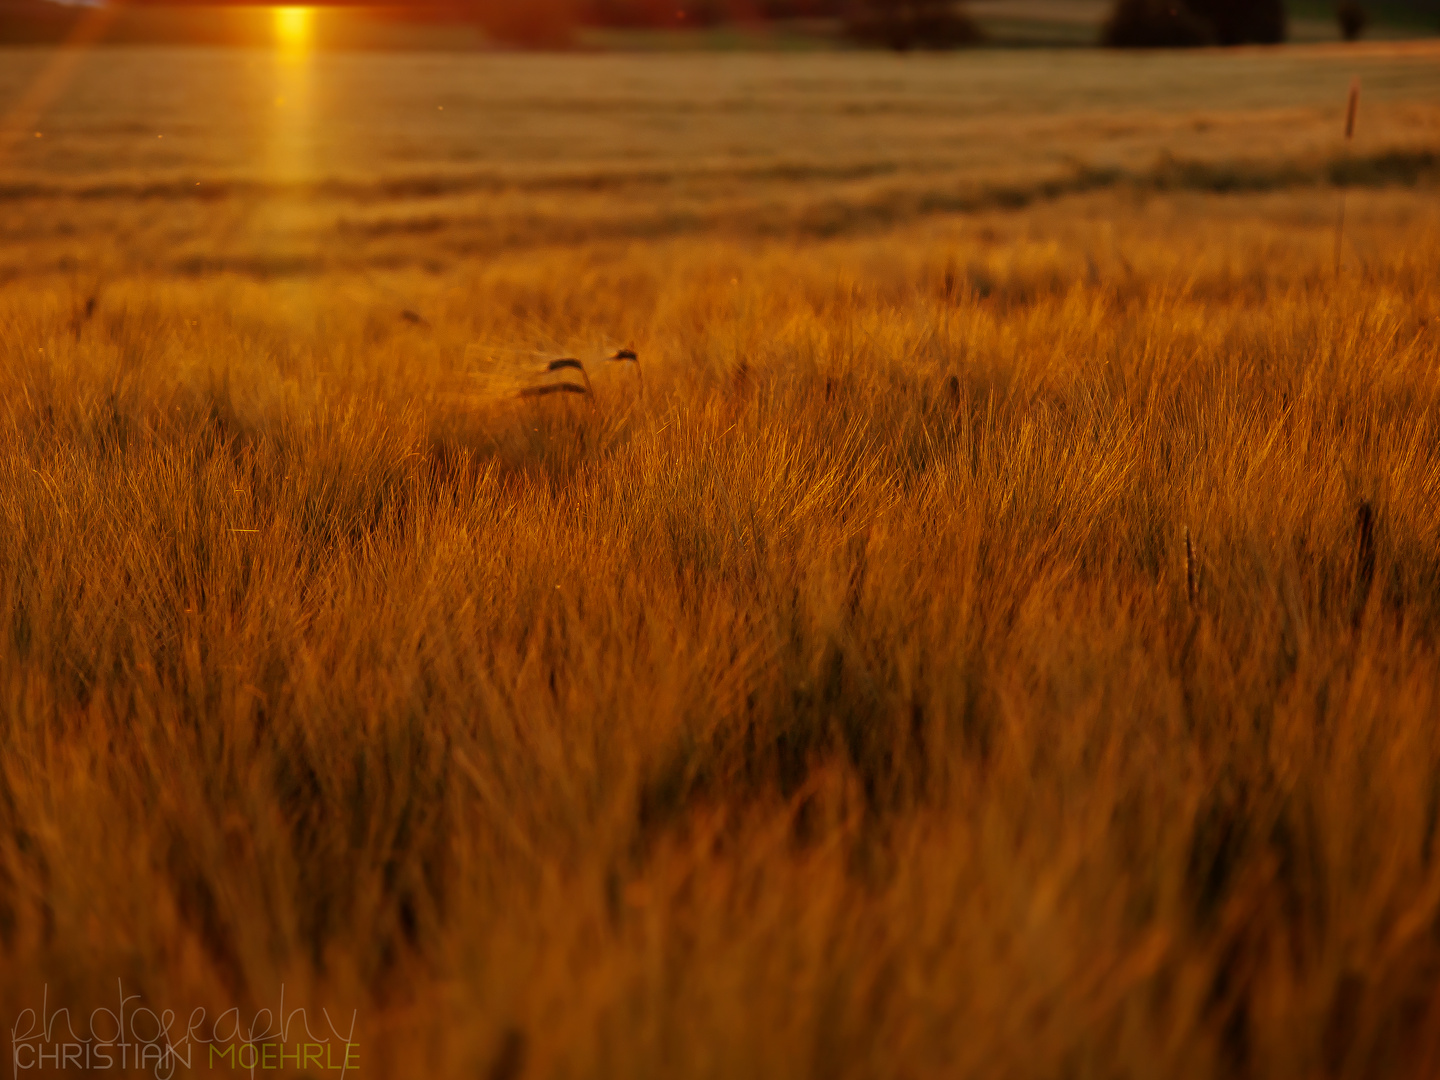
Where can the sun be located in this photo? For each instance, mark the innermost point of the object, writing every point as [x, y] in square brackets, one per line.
[292, 28]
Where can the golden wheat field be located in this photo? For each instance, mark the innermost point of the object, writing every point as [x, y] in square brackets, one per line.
[990, 630]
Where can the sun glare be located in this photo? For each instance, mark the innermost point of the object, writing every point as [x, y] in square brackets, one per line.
[291, 125]
[292, 28]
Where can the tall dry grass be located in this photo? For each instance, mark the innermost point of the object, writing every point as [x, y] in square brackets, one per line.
[984, 643]
[838, 707]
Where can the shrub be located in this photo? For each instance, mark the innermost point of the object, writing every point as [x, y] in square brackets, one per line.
[1179, 23]
[1241, 22]
[1155, 24]
[1353, 19]
[912, 24]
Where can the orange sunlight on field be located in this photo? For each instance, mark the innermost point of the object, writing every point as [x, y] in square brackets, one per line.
[721, 564]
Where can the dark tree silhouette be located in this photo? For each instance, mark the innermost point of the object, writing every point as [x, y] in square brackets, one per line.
[1353, 20]
[1178, 23]
[912, 24]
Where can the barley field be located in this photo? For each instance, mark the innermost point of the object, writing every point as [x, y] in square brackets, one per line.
[990, 629]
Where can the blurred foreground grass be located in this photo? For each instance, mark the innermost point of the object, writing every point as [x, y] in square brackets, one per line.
[826, 697]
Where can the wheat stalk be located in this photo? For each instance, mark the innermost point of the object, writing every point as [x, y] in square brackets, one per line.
[1351, 110]
[566, 363]
[553, 388]
[569, 363]
[632, 357]
[1364, 554]
[1190, 587]
[83, 316]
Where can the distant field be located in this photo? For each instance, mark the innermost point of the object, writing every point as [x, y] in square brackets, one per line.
[990, 632]
[173, 160]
